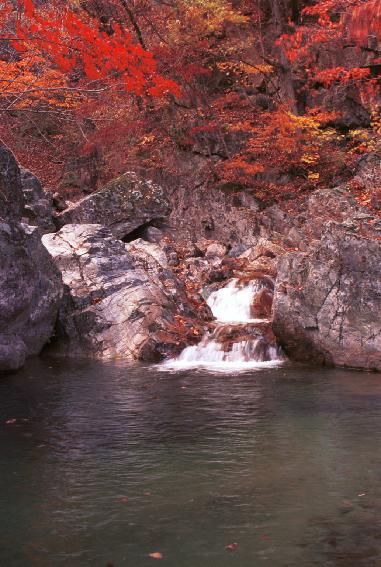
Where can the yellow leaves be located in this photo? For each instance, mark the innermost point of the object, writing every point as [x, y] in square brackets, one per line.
[309, 159]
[257, 69]
[376, 121]
[200, 18]
[238, 67]
[313, 176]
[215, 13]
[148, 139]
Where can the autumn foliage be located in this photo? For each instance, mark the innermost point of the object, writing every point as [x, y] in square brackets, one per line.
[255, 91]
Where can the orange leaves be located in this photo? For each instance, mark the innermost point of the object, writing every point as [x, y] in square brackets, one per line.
[329, 76]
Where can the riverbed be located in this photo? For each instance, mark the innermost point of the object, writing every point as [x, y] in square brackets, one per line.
[107, 463]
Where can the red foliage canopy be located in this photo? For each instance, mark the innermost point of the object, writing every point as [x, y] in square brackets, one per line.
[74, 42]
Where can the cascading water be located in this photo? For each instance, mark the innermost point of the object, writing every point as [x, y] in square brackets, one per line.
[238, 341]
[232, 304]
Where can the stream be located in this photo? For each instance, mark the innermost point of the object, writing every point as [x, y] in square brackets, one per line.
[105, 463]
[227, 455]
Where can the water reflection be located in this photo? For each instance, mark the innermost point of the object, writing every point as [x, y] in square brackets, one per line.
[108, 462]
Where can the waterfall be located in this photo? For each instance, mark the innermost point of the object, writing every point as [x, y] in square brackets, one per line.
[237, 341]
[233, 303]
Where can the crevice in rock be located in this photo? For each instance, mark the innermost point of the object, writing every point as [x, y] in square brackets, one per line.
[142, 231]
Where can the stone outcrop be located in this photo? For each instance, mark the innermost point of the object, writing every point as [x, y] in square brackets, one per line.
[122, 300]
[30, 284]
[11, 195]
[38, 210]
[123, 205]
[327, 302]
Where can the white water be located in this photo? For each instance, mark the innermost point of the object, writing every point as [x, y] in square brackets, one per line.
[231, 305]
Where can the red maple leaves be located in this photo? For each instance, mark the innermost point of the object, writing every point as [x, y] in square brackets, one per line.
[75, 45]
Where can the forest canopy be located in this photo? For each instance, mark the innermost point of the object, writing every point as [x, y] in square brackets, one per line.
[274, 95]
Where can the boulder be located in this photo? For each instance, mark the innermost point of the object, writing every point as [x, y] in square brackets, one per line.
[30, 285]
[263, 257]
[38, 210]
[215, 250]
[123, 205]
[327, 301]
[122, 300]
[30, 293]
[261, 307]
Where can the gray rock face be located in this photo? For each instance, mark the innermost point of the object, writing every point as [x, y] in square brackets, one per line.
[11, 196]
[327, 301]
[38, 209]
[122, 301]
[30, 285]
[30, 291]
[122, 205]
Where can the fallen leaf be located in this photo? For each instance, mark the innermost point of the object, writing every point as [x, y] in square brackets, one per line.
[147, 493]
[231, 547]
[11, 421]
[156, 555]
[124, 500]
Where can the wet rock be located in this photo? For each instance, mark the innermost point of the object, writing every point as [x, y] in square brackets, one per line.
[262, 304]
[122, 300]
[123, 205]
[38, 210]
[327, 301]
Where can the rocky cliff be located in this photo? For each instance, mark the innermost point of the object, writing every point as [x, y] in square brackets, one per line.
[30, 284]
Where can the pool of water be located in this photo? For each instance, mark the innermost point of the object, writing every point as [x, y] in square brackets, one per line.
[104, 464]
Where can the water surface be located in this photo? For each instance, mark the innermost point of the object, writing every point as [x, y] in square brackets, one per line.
[106, 463]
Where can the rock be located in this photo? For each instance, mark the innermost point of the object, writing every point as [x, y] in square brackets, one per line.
[368, 174]
[38, 210]
[30, 285]
[141, 249]
[153, 234]
[59, 202]
[215, 250]
[237, 250]
[201, 245]
[327, 301]
[11, 195]
[123, 205]
[30, 293]
[122, 300]
[263, 257]
[262, 304]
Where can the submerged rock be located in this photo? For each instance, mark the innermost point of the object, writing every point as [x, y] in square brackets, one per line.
[121, 300]
[123, 205]
[327, 301]
[30, 284]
